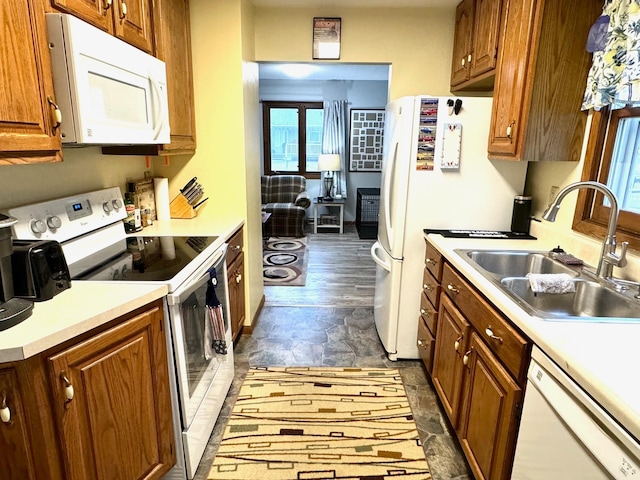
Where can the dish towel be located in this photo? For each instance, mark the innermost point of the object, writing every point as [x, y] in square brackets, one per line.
[551, 282]
[215, 316]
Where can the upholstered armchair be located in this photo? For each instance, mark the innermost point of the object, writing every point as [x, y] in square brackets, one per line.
[286, 199]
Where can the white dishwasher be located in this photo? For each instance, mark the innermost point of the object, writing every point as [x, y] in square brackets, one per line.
[565, 435]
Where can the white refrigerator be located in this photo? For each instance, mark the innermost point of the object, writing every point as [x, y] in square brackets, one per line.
[436, 175]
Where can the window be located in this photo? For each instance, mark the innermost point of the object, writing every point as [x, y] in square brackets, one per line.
[292, 136]
[612, 158]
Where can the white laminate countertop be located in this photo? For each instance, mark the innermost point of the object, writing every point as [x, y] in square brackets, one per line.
[87, 305]
[601, 357]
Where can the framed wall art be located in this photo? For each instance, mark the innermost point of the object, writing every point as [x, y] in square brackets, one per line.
[366, 137]
[326, 38]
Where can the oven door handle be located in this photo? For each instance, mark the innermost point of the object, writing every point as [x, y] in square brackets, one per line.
[201, 276]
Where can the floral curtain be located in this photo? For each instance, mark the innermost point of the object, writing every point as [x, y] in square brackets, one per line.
[334, 135]
[614, 78]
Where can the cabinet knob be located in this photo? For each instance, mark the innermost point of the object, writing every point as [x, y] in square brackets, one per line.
[107, 5]
[465, 359]
[510, 129]
[489, 332]
[427, 287]
[68, 388]
[237, 247]
[57, 114]
[420, 344]
[238, 278]
[123, 10]
[5, 412]
[463, 62]
[452, 288]
[456, 344]
[430, 261]
[469, 58]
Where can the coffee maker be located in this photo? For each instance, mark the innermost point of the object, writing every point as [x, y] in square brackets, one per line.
[12, 310]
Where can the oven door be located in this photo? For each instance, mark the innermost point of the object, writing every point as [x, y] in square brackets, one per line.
[197, 366]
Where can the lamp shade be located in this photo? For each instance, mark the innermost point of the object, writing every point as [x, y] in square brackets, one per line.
[329, 162]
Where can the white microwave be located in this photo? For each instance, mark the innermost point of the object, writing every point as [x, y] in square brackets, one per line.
[109, 92]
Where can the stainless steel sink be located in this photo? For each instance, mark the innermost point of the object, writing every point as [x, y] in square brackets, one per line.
[514, 263]
[593, 298]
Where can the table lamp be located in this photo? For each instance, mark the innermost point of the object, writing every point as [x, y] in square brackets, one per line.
[328, 162]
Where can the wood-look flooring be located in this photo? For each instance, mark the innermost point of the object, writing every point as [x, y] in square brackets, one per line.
[329, 322]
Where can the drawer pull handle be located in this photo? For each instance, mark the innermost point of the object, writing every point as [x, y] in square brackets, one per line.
[430, 261]
[456, 344]
[57, 113]
[452, 288]
[465, 359]
[107, 5]
[427, 287]
[5, 412]
[238, 278]
[490, 334]
[123, 10]
[424, 312]
[421, 343]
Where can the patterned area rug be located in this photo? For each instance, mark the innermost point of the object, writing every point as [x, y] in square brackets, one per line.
[308, 423]
[284, 261]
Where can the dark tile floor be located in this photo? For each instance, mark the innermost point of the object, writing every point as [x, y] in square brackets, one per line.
[329, 322]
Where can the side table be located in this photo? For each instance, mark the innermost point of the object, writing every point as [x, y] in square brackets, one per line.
[339, 204]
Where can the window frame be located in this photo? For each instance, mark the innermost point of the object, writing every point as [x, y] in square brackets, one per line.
[302, 129]
[591, 216]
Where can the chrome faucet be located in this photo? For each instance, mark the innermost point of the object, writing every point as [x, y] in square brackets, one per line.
[608, 256]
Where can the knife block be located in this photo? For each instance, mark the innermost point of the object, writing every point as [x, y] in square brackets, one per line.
[180, 208]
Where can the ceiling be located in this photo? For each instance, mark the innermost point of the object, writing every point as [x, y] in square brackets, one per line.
[357, 3]
[327, 71]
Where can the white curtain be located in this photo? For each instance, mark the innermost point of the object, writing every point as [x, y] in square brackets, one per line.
[334, 134]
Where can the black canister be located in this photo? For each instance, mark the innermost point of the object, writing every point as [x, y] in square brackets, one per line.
[521, 217]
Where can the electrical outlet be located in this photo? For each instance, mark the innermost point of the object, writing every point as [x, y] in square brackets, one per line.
[552, 194]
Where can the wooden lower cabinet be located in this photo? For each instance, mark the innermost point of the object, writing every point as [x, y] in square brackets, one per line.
[99, 408]
[490, 413]
[236, 295]
[478, 373]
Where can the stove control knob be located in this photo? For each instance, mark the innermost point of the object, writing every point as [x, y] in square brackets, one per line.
[38, 226]
[106, 206]
[117, 203]
[54, 222]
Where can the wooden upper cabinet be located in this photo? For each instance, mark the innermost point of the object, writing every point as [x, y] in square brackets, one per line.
[129, 20]
[462, 42]
[475, 46]
[27, 103]
[173, 43]
[112, 404]
[540, 80]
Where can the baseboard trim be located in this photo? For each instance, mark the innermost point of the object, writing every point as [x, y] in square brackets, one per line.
[248, 329]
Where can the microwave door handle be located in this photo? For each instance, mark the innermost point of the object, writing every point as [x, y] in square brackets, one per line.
[160, 117]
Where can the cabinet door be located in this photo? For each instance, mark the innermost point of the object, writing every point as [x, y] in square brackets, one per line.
[132, 23]
[112, 403]
[486, 31]
[511, 91]
[451, 345]
[236, 295]
[173, 46]
[489, 413]
[15, 460]
[27, 132]
[95, 12]
[462, 42]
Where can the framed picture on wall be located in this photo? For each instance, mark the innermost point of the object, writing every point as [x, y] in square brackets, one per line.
[326, 38]
[365, 140]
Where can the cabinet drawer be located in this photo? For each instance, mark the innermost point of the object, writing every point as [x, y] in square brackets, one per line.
[235, 247]
[426, 344]
[429, 313]
[501, 337]
[431, 288]
[433, 261]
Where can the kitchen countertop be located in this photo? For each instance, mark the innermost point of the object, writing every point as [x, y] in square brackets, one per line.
[87, 305]
[601, 357]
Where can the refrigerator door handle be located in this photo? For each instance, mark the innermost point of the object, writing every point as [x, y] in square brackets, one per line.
[377, 259]
[389, 183]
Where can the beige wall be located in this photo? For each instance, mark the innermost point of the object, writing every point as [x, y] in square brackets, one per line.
[541, 176]
[417, 43]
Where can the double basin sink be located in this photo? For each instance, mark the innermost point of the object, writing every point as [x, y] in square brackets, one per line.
[598, 300]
